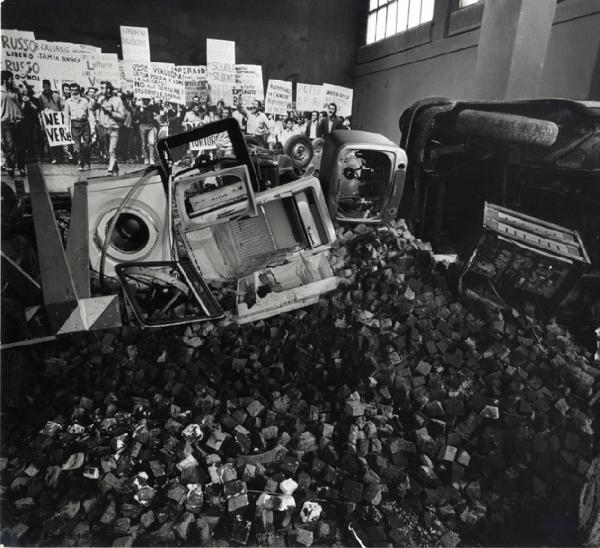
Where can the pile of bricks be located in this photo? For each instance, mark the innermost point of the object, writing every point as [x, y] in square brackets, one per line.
[391, 413]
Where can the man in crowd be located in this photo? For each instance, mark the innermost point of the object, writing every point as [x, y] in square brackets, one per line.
[147, 114]
[50, 100]
[31, 131]
[257, 124]
[312, 127]
[80, 118]
[331, 123]
[194, 117]
[11, 120]
[111, 114]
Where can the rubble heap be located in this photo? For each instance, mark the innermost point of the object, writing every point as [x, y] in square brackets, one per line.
[388, 414]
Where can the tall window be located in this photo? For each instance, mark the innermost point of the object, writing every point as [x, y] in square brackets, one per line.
[389, 17]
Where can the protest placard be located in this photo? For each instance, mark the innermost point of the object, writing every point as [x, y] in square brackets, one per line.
[56, 128]
[126, 76]
[194, 81]
[20, 56]
[99, 67]
[248, 84]
[341, 96]
[279, 96]
[310, 97]
[135, 44]
[166, 83]
[220, 69]
[59, 63]
[141, 80]
[86, 48]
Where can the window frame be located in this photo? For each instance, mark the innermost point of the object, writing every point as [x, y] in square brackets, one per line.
[376, 32]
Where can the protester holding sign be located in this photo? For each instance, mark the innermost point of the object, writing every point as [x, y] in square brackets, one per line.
[147, 114]
[257, 123]
[80, 119]
[51, 100]
[11, 119]
[111, 114]
[331, 123]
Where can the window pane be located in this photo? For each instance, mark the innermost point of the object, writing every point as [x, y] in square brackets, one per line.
[427, 11]
[414, 13]
[465, 3]
[402, 15]
[371, 28]
[391, 19]
[380, 34]
[372, 5]
[383, 2]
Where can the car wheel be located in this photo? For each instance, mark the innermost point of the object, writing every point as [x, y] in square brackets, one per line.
[507, 127]
[300, 150]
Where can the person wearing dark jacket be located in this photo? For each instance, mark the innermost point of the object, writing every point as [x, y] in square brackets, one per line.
[331, 123]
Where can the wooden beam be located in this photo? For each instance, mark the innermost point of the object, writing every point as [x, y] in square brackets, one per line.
[78, 252]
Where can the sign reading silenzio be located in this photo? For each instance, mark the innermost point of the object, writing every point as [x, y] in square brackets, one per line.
[220, 69]
[279, 96]
[20, 56]
[56, 128]
[135, 44]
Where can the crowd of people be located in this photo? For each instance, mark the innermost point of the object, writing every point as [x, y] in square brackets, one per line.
[112, 125]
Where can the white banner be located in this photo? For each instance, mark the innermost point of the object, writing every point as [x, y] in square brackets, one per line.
[279, 97]
[86, 48]
[97, 68]
[141, 80]
[220, 69]
[194, 82]
[135, 44]
[20, 56]
[166, 83]
[59, 63]
[56, 128]
[341, 96]
[248, 84]
[310, 97]
[126, 76]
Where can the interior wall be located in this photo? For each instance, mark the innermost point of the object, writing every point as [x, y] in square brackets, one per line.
[300, 40]
[387, 81]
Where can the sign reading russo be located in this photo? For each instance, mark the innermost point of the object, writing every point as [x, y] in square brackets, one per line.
[220, 69]
[56, 128]
[135, 44]
[279, 96]
[20, 56]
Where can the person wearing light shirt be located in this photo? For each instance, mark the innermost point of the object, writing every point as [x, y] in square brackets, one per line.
[80, 118]
[257, 124]
[312, 127]
[111, 114]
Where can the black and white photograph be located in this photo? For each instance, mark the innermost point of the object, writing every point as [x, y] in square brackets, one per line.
[294, 273]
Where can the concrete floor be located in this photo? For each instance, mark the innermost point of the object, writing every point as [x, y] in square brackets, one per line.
[60, 177]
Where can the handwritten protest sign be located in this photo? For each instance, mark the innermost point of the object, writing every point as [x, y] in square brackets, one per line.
[20, 56]
[220, 69]
[141, 80]
[126, 75]
[86, 48]
[341, 96]
[166, 83]
[279, 96]
[310, 97]
[56, 128]
[212, 142]
[135, 44]
[248, 84]
[194, 81]
[99, 67]
[59, 63]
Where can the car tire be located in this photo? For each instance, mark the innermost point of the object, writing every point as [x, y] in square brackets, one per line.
[300, 150]
[507, 127]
